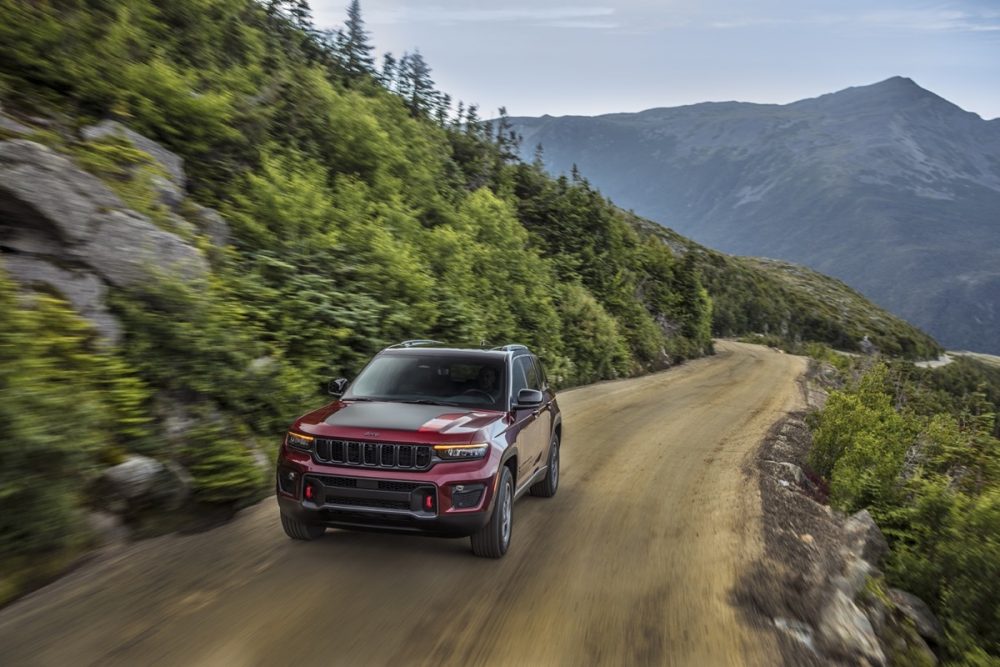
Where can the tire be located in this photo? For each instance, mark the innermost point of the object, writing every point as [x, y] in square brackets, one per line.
[494, 539]
[548, 486]
[300, 530]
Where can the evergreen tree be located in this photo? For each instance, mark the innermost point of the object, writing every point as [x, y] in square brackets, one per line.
[389, 68]
[507, 140]
[420, 87]
[539, 160]
[442, 108]
[356, 50]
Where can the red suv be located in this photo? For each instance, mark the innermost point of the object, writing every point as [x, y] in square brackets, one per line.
[427, 439]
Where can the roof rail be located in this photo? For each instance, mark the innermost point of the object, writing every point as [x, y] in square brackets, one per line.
[511, 347]
[417, 342]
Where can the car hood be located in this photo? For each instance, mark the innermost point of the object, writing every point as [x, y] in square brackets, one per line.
[348, 416]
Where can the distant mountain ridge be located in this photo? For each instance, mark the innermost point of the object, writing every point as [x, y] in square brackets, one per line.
[888, 187]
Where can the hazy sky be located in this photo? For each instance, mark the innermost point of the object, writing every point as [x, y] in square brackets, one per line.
[594, 56]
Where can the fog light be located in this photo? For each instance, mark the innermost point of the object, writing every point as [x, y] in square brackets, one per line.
[464, 496]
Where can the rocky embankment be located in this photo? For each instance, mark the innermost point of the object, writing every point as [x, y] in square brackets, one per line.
[64, 231]
[821, 584]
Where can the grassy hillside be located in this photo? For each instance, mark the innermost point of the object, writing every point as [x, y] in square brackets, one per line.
[790, 304]
[919, 448]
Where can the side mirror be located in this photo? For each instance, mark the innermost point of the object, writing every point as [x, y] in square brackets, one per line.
[337, 387]
[528, 399]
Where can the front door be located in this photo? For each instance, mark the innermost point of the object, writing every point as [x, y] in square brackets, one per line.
[530, 436]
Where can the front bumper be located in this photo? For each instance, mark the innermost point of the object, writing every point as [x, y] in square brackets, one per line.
[428, 503]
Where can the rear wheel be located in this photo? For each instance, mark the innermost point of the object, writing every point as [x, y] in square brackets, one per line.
[300, 530]
[492, 541]
[548, 486]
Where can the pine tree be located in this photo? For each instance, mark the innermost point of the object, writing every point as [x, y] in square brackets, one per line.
[575, 174]
[356, 49]
[472, 123]
[539, 161]
[507, 141]
[442, 108]
[420, 87]
[389, 69]
[459, 115]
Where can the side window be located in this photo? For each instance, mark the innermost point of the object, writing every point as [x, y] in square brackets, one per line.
[520, 379]
[541, 373]
[531, 373]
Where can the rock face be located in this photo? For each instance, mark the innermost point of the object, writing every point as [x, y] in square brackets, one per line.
[915, 609]
[173, 164]
[63, 229]
[846, 631]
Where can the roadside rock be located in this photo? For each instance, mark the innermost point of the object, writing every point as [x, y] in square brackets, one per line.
[212, 225]
[863, 537]
[927, 624]
[168, 193]
[171, 162]
[133, 478]
[845, 631]
[83, 290]
[11, 126]
[141, 481]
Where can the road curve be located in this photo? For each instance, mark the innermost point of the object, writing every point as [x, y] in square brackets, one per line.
[631, 563]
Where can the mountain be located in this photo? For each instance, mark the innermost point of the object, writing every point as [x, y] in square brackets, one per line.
[888, 187]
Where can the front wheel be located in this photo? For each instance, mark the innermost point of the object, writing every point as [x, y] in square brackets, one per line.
[548, 486]
[300, 530]
[492, 541]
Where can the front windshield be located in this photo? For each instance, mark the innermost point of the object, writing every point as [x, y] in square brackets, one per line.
[461, 381]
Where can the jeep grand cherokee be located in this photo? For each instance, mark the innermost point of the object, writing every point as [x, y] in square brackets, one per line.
[427, 439]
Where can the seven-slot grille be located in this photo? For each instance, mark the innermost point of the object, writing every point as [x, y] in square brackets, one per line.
[388, 456]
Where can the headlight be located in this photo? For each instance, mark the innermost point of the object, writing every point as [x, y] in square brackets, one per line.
[461, 452]
[298, 440]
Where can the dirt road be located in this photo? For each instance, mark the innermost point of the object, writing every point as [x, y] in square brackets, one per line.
[631, 563]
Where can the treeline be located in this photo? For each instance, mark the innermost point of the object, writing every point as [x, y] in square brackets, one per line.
[363, 210]
[919, 448]
[790, 306]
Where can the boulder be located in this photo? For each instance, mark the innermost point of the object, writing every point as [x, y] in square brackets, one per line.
[171, 162]
[168, 193]
[42, 189]
[846, 632]
[127, 249]
[11, 126]
[134, 478]
[863, 537]
[927, 624]
[141, 481]
[787, 471]
[211, 224]
[83, 290]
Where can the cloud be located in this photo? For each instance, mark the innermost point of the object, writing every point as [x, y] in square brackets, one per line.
[559, 17]
[917, 20]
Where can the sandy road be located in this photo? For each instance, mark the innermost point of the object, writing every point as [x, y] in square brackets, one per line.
[631, 563]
